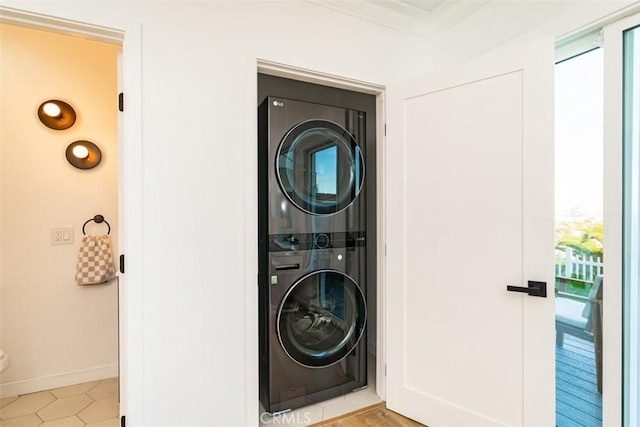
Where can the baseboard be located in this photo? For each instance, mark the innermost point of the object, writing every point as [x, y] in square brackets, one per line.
[32, 385]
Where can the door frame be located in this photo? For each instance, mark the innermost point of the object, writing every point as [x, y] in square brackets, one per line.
[264, 66]
[613, 299]
[130, 206]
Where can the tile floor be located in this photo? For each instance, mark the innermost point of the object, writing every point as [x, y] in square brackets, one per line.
[92, 404]
[328, 409]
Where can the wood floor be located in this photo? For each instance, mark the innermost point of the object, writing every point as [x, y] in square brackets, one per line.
[372, 416]
[578, 402]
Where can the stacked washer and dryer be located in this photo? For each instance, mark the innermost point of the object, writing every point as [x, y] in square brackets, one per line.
[312, 252]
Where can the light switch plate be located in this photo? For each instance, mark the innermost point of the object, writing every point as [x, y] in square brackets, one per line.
[62, 235]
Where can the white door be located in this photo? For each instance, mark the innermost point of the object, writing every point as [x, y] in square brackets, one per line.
[469, 199]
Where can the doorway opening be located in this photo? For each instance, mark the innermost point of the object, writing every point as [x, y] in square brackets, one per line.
[343, 96]
[579, 274]
[62, 339]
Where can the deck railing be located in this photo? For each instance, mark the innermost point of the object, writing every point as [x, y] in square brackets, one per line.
[571, 265]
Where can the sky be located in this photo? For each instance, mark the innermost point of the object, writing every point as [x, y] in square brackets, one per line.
[579, 137]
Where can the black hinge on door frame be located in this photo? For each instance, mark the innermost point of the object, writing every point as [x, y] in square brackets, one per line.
[121, 101]
[123, 422]
[385, 129]
[122, 263]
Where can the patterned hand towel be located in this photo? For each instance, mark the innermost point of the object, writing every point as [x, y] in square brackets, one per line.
[95, 261]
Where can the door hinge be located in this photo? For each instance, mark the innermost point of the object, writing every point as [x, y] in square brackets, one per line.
[385, 370]
[121, 101]
[123, 422]
[122, 263]
[385, 129]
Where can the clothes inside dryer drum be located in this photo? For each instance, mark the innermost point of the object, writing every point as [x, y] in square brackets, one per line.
[321, 318]
[320, 167]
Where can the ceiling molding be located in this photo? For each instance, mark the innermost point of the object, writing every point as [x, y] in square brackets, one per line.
[421, 18]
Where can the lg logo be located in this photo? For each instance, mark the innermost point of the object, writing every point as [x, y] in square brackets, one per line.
[278, 104]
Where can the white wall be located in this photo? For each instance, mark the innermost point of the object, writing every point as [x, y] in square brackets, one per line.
[200, 186]
[195, 292]
[55, 332]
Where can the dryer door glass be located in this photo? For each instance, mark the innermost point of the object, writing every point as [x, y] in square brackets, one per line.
[321, 318]
[320, 167]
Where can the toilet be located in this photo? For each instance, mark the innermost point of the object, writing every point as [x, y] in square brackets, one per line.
[4, 361]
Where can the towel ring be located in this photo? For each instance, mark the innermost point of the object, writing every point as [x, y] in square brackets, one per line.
[97, 219]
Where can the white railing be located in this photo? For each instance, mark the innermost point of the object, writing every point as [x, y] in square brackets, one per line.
[581, 267]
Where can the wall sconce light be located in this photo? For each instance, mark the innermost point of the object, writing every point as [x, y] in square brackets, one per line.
[56, 114]
[83, 154]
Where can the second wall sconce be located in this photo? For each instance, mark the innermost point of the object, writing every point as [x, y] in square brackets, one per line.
[56, 114]
[83, 154]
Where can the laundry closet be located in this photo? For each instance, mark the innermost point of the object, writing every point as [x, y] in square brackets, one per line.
[317, 237]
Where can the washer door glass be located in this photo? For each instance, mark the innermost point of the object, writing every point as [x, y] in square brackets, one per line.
[321, 318]
[320, 167]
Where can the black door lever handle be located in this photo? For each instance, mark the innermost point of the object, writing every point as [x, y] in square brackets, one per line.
[535, 289]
